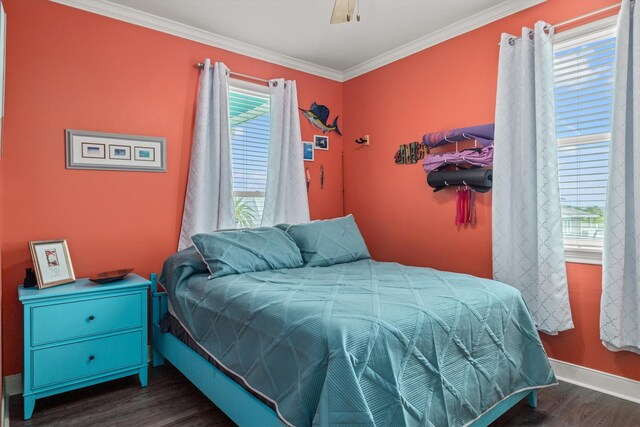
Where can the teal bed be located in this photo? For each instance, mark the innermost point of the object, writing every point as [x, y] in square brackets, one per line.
[364, 342]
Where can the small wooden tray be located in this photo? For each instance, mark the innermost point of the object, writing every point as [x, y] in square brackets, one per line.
[110, 276]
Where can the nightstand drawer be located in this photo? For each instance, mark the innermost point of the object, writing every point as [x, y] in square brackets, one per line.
[86, 358]
[59, 322]
[80, 334]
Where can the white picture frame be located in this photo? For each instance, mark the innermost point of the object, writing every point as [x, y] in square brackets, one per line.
[321, 142]
[51, 262]
[112, 151]
[307, 151]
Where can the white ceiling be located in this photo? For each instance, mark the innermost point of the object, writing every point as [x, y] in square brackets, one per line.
[300, 29]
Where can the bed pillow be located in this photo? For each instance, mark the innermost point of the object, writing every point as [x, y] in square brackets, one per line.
[283, 227]
[247, 250]
[328, 242]
[184, 263]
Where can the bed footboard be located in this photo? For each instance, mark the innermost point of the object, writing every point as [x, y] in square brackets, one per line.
[239, 404]
[158, 311]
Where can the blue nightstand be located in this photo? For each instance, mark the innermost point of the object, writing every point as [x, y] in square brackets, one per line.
[82, 334]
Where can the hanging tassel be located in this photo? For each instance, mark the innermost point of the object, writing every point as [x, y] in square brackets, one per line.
[473, 208]
[467, 204]
[465, 210]
[458, 206]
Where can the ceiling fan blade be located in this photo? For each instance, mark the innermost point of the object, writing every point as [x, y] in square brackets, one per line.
[343, 11]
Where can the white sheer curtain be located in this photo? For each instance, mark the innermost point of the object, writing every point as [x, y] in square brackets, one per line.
[528, 249]
[286, 193]
[208, 204]
[620, 312]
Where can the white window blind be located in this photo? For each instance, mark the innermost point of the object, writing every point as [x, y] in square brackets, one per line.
[583, 79]
[249, 118]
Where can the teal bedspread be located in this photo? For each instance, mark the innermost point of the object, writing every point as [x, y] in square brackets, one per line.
[364, 343]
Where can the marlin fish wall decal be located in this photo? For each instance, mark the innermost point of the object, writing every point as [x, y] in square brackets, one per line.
[318, 115]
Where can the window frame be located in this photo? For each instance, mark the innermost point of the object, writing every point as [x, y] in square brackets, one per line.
[584, 251]
[243, 85]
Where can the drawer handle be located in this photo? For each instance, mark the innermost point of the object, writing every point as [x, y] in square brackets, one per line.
[91, 357]
[91, 317]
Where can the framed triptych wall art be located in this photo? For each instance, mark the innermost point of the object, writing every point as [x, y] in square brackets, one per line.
[112, 151]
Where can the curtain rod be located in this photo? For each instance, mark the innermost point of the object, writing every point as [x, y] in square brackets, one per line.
[201, 65]
[587, 15]
[577, 18]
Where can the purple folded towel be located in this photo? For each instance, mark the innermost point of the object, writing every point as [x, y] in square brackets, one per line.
[481, 133]
[481, 157]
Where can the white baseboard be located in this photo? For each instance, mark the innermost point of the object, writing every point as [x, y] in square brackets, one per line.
[13, 385]
[4, 411]
[603, 382]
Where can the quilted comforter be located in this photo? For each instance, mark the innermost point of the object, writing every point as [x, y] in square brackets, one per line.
[364, 343]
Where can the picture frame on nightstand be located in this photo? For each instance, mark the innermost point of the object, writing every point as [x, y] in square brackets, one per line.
[51, 262]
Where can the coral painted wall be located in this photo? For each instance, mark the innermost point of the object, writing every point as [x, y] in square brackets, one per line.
[72, 69]
[1, 238]
[452, 84]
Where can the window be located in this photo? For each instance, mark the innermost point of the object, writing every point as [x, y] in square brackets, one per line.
[249, 119]
[583, 79]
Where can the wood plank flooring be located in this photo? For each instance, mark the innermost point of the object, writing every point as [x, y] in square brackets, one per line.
[171, 400]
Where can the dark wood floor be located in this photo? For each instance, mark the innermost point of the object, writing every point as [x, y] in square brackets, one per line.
[171, 400]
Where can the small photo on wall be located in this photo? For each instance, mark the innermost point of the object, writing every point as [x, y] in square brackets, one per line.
[307, 151]
[92, 151]
[321, 142]
[119, 152]
[145, 154]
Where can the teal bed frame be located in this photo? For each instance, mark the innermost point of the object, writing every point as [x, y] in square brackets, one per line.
[235, 401]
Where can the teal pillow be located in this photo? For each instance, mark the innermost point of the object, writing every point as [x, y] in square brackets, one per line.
[328, 242]
[247, 250]
[282, 227]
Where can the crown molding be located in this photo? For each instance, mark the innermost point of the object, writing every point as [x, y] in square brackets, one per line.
[456, 29]
[147, 20]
